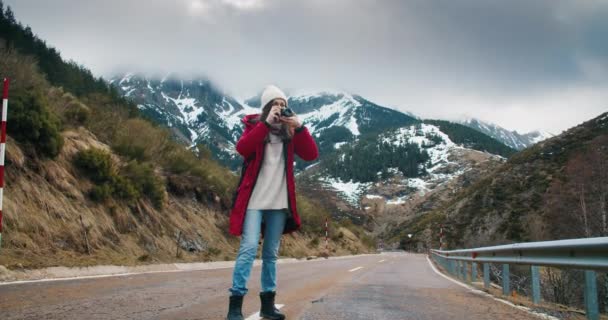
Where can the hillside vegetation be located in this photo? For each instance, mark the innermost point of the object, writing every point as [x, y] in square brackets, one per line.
[555, 189]
[88, 181]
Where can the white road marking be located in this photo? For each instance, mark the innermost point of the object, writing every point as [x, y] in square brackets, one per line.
[485, 294]
[187, 268]
[382, 260]
[355, 269]
[256, 316]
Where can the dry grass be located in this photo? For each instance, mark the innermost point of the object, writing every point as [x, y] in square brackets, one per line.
[44, 200]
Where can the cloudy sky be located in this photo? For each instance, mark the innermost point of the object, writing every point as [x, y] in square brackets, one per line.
[523, 64]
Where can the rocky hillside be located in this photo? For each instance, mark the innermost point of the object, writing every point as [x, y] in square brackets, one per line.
[50, 218]
[555, 189]
[90, 181]
[394, 176]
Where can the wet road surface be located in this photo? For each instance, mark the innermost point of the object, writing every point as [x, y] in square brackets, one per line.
[384, 286]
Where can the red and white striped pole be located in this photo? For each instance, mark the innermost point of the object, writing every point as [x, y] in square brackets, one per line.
[3, 147]
[326, 233]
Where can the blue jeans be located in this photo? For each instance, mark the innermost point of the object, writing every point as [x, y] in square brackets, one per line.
[274, 222]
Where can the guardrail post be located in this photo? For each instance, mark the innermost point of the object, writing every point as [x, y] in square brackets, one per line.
[591, 303]
[535, 271]
[505, 279]
[463, 270]
[451, 266]
[486, 275]
[466, 272]
[473, 271]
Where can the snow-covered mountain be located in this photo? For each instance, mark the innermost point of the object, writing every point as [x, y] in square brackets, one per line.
[441, 168]
[194, 109]
[200, 113]
[510, 138]
[442, 160]
[373, 159]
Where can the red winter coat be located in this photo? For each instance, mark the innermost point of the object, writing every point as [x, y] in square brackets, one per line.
[251, 147]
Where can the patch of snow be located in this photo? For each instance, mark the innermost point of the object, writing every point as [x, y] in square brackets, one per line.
[187, 107]
[393, 170]
[337, 145]
[150, 87]
[417, 184]
[312, 165]
[126, 78]
[166, 97]
[343, 107]
[352, 125]
[234, 119]
[350, 191]
[193, 136]
[373, 196]
[400, 200]
[129, 92]
[438, 153]
[231, 116]
[204, 131]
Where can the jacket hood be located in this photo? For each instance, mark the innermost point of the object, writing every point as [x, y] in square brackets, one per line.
[246, 119]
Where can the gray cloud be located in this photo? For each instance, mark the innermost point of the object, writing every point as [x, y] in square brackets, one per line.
[523, 64]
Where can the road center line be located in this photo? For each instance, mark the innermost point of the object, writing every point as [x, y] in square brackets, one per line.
[382, 260]
[256, 316]
[355, 269]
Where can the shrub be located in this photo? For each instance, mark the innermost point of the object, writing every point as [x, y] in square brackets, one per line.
[179, 160]
[123, 188]
[138, 139]
[96, 164]
[136, 179]
[101, 192]
[214, 251]
[77, 113]
[31, 123]
[146, 182]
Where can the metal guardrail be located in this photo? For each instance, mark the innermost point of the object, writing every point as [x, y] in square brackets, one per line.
[590, 255]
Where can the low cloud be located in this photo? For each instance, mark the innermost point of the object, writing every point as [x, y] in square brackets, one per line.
[523, 64]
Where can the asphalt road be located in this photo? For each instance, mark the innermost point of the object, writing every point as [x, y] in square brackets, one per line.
[384, 286]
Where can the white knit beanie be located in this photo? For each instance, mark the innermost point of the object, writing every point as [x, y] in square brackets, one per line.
[270, 93]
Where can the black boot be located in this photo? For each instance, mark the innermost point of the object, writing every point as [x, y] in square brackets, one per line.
[234, 311]
[268, 310]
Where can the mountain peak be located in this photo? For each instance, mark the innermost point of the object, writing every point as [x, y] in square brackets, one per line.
[511, 138]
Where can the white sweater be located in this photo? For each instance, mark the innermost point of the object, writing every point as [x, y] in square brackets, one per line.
[270, 190]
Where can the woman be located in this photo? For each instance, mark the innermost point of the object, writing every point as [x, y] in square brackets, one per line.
[265, 199]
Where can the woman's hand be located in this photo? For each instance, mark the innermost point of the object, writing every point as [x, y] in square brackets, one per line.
[274, 114]
[293, 121]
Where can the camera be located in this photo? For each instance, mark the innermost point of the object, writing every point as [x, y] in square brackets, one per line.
[287, 112]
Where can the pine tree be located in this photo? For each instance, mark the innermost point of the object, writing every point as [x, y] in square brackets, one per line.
[10, 16]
